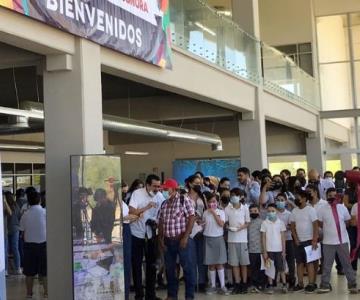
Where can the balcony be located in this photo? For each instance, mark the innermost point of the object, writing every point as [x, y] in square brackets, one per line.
[202, 31]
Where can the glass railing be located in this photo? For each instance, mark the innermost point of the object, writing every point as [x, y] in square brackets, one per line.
[283, 77]
[200, 30]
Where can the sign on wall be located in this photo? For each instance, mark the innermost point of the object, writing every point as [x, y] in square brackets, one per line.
[139, 28]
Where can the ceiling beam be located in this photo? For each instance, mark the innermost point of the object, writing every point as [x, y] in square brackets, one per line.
[342, 113]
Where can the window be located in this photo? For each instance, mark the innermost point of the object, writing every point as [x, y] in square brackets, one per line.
[301, 54]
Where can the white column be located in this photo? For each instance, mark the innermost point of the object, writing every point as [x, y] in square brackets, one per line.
[252, 130]
[73, 125]
[315, 149]
[246, 14]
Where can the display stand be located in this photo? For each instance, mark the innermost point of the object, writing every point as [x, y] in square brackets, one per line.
[98, 269]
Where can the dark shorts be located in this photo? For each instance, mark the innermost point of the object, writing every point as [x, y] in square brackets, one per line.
[300, 254]
[35, 260]
[278, 260]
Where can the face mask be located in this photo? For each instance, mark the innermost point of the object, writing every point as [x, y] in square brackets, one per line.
[314, 182]
[331, 200]
[235, 200]
[197, 188]
[166, 194]
[213, 205]
[152, 194]
[254, 216]
[225, 200]
[280, 204]
[242, 200]
[297, 202]
[277, 186]
[271, 216]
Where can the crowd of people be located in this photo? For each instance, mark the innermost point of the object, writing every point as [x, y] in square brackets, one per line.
[25, 236]
[259, 235]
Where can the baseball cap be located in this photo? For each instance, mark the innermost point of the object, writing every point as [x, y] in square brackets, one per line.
[170, 184]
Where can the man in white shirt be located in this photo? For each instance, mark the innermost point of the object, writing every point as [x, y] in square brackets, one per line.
[322, 184]
[250, 187]
[333, 218]
[33, 224]
[304, 228]
[238, 218]
[145, 203]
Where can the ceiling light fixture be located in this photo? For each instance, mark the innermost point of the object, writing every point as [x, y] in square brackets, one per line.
[206, 29]
[136, 153]
[21, 147]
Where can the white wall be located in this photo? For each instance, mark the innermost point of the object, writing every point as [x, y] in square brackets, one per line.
[285, 22]
[332, 7]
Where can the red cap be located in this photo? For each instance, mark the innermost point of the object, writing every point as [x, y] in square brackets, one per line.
[170, 184]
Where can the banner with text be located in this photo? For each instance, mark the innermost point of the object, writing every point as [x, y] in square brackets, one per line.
[139, 28]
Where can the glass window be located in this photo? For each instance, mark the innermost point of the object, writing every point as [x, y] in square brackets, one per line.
[336, 86]
[333, 42]
[23, 182]
[306, 63]
[8, 184]
[23, 168]
[7, 168]
[39, 168]
[355, 34]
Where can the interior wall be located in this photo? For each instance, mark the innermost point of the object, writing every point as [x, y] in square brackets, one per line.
[332, 7]
[284, 22]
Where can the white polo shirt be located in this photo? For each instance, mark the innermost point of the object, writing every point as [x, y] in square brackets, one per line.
[33, 223]
[273, 232]
[330, 232]
[140, 199]
[211, 227]
[237, 217]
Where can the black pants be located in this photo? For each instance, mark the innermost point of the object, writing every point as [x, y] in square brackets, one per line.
[258, 277]
[139, 248]
[290, 259]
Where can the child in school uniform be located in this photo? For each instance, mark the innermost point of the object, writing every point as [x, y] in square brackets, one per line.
[257, 276]
[273, 242]
[215, 250]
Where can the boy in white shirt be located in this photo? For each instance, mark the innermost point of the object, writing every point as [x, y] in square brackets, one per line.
[305, 231]
[238, 218]
[273, 242]
[285, 216]
[333, 218]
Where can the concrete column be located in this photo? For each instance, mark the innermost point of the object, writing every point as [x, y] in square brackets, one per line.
[315, 145]
[346, 161]
[246, 14]
[73, 125]
[252, 130]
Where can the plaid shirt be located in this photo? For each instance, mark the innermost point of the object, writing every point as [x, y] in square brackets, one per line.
[174, 215]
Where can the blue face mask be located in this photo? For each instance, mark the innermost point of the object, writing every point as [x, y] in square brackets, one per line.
[234, 200]
[280, 204]
[166, 194]
[271, 216]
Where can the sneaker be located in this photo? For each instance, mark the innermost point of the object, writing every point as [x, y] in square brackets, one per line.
[324, 289]
[284, 289]
[236, 290]
[18, 272]
[310, 289]
[223, 291]
[244, 289]
[269, 290]
[202, 288]
[298, 288]
[211, 291]
[353, 289]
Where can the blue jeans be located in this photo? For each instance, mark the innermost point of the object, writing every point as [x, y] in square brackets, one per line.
[187, 261]
[199, 268]
[14, 246]
[127, 258]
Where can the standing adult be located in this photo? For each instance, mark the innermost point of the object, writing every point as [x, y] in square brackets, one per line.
[13, 223]
[251, 187]
[145, 203]
[322, 184]
[176, 220]
[33, 224]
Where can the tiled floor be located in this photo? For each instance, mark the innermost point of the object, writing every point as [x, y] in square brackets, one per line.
[16, 291]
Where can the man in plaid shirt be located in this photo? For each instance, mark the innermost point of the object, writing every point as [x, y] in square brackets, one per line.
[176, 220]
